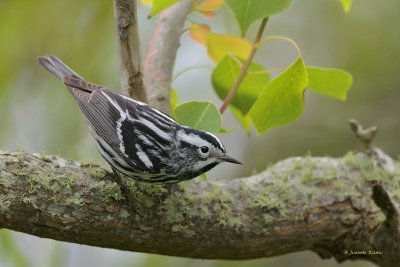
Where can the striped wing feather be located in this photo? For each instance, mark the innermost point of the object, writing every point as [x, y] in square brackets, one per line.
[138, 134]
[96, 108]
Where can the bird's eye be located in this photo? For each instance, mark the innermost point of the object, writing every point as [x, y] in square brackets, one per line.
[204, 150]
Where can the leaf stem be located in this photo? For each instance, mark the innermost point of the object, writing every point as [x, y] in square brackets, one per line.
[244, 67]
[193, 67]
[284, 38]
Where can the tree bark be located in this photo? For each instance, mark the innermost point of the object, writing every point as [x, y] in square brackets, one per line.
[344, 208]
[125, 12]
[160, 59]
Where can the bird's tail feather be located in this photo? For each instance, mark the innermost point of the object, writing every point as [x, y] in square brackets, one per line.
[57, 67]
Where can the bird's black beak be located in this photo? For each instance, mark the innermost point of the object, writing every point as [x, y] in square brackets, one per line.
[229, 159]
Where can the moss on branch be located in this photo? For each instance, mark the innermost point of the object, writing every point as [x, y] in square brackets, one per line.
[303, 203]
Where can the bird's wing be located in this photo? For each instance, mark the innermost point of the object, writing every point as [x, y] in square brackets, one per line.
[133, 129]
[129, 133]
[105, 116]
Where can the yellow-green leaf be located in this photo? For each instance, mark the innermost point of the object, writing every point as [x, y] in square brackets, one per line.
[248, 11]
[146, 2]
[208, 5]
[281, 101]
[218, 45]
[330, 82]
[199, 32]
[160, 5]
[173, 101]
[346, 4]
[225, 74]
[209, 14]
[244, 120]
[199, 115]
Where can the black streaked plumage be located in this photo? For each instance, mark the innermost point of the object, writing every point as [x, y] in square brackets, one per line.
[137, 140]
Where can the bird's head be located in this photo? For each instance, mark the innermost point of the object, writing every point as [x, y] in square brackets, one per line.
[202, 150]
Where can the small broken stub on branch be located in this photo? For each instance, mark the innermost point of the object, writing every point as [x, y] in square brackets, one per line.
[366, 136]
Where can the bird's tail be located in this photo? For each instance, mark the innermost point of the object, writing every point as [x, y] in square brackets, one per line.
[57, 67]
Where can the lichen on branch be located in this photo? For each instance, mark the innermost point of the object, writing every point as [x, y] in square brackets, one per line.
[267, 214]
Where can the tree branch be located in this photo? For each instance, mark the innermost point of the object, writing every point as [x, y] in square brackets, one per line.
[321, 204]
[161, 54]
[125, 13]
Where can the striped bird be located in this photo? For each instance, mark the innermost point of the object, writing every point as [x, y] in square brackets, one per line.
[136, 139]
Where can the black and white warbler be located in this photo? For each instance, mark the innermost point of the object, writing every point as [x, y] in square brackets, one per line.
[136, 139]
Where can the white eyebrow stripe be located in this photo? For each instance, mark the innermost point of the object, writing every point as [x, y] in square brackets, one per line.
[216, 139]
[191, 138]
[197, 140]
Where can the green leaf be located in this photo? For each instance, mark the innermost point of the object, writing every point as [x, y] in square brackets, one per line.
[330, 82]
[346, 4]
[226, 73]
[281, 101]
[173, 101]
[244, 120]
[219, 45]
[199, 115]
[160, 5]
[248, 11]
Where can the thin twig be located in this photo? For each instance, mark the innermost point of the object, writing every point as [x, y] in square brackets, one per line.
[245, 66]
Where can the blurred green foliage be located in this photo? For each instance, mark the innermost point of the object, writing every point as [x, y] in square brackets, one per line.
[36, 113]
[80, 33]
[9, 250]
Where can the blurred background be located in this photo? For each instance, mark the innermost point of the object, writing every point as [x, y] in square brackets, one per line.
[38, 114]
